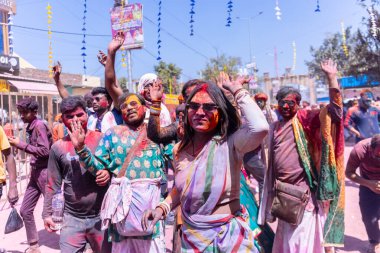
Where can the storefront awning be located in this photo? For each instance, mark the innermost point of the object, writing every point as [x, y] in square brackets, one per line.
[34, 87]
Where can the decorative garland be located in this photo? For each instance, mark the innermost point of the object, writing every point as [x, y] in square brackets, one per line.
[50, 52]
[229, 10]
[10, 32]
[373, 22]
[317, 9]
[159, 31]
[344, 40]
[84, 38]
[278, 11]
[192, 13]
[294, 56]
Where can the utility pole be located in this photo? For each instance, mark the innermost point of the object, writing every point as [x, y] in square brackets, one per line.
[131, 87]
[252, 60]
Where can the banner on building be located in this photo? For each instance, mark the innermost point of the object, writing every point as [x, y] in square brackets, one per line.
[129, 18]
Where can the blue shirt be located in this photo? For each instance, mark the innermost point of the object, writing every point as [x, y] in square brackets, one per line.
[364, 121]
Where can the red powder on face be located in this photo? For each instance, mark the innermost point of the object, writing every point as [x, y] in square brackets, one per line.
[204, 87]
[103, 103]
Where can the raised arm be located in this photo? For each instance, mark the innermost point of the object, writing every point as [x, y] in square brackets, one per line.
[336, 103]
[57, 69]
[110, 76]
[251, 135]
[157, 133]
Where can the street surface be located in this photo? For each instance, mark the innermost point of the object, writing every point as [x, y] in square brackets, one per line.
[355, 235]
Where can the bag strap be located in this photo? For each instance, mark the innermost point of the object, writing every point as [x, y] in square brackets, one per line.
[142, 136]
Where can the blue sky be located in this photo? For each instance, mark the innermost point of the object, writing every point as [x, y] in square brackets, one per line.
[299, 23]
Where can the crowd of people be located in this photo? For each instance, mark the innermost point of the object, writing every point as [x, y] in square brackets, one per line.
[110, 152]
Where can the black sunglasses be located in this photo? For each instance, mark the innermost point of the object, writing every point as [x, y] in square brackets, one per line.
[209, 107]
[288, 102]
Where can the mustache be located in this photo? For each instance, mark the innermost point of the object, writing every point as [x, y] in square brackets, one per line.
[131, 112]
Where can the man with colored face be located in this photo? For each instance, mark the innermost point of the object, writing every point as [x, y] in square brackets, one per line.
[366, 156]
[146, 163]
[103, 118]
[39, 140]
[83, 192]
[298, 146]
[363, 120]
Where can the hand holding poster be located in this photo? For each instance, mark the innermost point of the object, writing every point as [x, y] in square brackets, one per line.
[129, 20]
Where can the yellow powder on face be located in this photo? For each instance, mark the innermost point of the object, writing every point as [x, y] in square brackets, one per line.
[132, 98]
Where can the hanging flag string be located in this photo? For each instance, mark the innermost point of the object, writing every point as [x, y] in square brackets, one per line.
[372, 18]
[192, 13]
[84, 38]
[50, 51]
[159, 31]
[344, 42]
[10, 32]
[229, 11]
[294, 56]
[317, 9]
[277, 11]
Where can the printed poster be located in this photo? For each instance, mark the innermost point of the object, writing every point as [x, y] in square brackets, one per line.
[129, 19]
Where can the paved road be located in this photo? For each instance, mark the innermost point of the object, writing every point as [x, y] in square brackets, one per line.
[355, 236]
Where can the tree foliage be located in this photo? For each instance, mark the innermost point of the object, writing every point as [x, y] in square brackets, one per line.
[363, 52]
[122, 82]
[230, 65]
[169, 74]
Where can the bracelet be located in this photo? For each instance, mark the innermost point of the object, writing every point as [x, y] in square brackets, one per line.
[237, 91]
[157, 105]
[80, 151]
[165, 207]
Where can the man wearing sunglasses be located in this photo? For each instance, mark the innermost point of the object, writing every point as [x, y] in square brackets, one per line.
[298, 143]
[103, 118]
[363, 120]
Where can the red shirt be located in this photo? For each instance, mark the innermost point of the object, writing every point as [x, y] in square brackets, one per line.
[361, 156]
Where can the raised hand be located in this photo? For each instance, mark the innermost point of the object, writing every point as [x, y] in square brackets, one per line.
[232, 85]
[77, 134]
[102, 58]
[156, 91]
[116, 42]
[57, 69]
[329, 67]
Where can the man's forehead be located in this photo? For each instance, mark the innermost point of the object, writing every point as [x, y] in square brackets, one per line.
[132, 98]
[290, 97]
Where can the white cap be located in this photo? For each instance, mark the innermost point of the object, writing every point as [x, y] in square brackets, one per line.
[146, 79]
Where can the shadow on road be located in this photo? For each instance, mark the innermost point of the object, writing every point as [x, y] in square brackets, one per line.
[354, 244]
[351, 184]
[50, 240]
